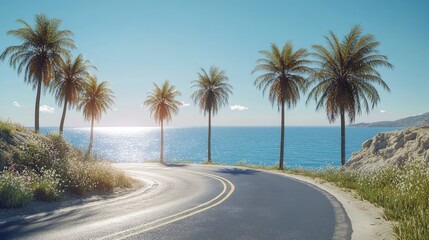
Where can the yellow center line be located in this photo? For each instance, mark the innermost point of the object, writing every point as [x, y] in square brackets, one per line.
[135, 230]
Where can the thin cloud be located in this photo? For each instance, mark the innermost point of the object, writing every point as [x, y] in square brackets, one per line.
[46, 109]
[238, 108]
[184, 104]
[16, 104]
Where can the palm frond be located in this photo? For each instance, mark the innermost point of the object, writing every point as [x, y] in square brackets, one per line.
[283, 74]
[96, 99]
[162, 102]
[69, 80]
[41, 49]
[212, 90]
[345, 73]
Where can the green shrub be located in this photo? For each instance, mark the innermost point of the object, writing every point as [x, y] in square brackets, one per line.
[123, 180]
[8, 128]
[105, 177]
[77, 177]
[41, 152]
[54, 167]
[61, 146]
[47, 187]
[6, 131]
[14, 190]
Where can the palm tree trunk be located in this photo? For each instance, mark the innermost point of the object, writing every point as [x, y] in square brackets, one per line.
[282, 138]
[91, 136]
[343, 138]
[37, 107]
[209, 159]
[63, 117]
[162, 142]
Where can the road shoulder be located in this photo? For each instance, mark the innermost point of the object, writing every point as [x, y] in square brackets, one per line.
[367, 220]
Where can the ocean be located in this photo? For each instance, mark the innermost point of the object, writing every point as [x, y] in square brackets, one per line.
[305, 147]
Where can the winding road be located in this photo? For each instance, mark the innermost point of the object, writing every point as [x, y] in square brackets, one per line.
[195, 202]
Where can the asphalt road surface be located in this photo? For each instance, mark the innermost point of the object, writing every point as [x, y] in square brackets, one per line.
[195, 202]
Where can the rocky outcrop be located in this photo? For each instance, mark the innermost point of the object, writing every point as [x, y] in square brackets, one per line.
[391, 149]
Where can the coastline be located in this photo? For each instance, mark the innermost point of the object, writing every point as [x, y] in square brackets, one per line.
[250, 145]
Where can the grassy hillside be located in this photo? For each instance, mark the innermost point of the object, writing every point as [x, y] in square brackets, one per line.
[47, 168]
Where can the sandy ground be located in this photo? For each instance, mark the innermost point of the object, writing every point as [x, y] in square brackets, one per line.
[367, 220]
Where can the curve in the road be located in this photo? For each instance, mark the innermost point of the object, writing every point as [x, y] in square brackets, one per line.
[195, 202]
[228, 189]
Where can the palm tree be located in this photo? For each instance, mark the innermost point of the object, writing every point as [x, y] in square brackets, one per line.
[69, 82]
[283, 77]
[212, 93]
[96, 99]
[345, 77]
[162, 103]
[41, 51]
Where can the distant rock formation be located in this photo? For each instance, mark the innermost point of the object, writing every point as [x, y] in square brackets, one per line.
[413, 121]
[391, 149]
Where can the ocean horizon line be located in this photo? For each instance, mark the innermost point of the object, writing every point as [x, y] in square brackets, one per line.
[218, 126]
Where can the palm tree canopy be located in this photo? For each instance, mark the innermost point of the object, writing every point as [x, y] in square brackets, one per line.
[283, 74]
[70, 79]
[346, 74]
[212, 91]
[96, 99]
[41, 50]
[162, 101]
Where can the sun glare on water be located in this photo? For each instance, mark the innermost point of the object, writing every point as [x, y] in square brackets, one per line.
[122, 130]
[125, 130]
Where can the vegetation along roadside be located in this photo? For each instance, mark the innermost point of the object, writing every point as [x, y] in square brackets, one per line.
[47, 168]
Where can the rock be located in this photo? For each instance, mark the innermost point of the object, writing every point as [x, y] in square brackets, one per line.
[391, 149]
[367, 143]
[399, 143]
[410, 136]
[379, 143]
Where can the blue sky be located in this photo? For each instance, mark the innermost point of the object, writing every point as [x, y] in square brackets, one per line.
[136, 43]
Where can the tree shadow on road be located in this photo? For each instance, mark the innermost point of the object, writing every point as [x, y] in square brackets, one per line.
[22, 226]
[175, 164]
[237, 171]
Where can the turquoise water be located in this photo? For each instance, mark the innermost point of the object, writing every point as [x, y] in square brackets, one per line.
[307, 147]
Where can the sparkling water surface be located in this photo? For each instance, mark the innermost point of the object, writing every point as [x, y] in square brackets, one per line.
[306, 147]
